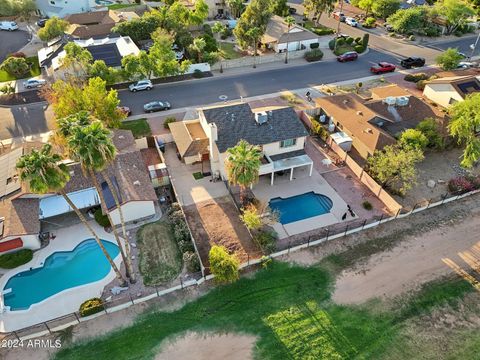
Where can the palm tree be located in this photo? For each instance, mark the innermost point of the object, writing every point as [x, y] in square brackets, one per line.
[243, 164]
[290, 21]
[254, 34]
[93, 148]
[44, 173]
[198, 46]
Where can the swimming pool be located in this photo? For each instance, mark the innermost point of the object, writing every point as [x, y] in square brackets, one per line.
[104, 2]
[301, 207]
[61, 270]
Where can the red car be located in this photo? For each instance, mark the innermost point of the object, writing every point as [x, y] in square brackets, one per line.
[382, 67]
[348, 56]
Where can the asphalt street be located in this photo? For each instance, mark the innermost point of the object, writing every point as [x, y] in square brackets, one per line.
[462, 44]
[11, 41]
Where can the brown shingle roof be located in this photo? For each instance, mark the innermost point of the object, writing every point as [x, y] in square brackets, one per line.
[90, 31]
[21, 216]
[88, 18]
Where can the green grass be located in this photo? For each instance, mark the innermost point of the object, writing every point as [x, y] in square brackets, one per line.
[119, 6]
[139, 128]
[34, 71]
[197, 175]
[14, 259]
[288, 309]
[228, 51]
[159, 257]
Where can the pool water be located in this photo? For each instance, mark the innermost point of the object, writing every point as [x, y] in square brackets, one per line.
[301, 207]
[61, 270]
[104, 2]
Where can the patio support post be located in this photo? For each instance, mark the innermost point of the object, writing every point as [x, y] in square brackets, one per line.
[271, 181]
[291, 174]
[311, 169]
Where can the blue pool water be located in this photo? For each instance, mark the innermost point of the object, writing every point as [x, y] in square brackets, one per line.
[104, 2]
[61, 270]
[301, 207]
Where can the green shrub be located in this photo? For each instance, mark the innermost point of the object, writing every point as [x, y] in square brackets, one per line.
[458, 33]
[314, 45]
[15, 66]
[432, 31]
[331, 44]
[319, 130]
[223, 265]
[186, 246]
[207, 29]
[358, 40]
[211, 44]
[314, 55]
[411, 38]
[91, 306]
[430, 129]
[365, 40]
[14, 259]
[191, 261]
[416, 77]
[359, 48]
[367, 205]
[414, 138]
[167, 121]
[267, 240]
[349, 40]
[180, 232]
[340, 41]
[197, 74]
[101, 219]
[421, 84]
[369, 22]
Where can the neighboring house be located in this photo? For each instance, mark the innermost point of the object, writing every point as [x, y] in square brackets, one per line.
[449, 90]
[215, 7]
[278, 131]
[375, 123]
[96, 24]
[21, 215]
[277, 36]
[109, 49]
[62, 8]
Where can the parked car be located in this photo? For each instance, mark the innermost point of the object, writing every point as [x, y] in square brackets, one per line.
[41, 22]
[34, 83]
[382, 67]
[179, 52]
[389, 27]
[8, 25]
[292, 10]
[351, 21]
[412, 62]
[339, 15]
[125, 109]
[348, 56]
[141, 85]
[466, 65]
[153, 106]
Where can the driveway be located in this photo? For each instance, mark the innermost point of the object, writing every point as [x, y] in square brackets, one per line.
[25, 120]
[11, 41]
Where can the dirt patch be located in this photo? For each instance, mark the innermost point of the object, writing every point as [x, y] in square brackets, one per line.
[217, 222]
[209, 347]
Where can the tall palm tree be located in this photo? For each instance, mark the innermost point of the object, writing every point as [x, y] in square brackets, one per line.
[243, 164]
[44, 173]
[198, 46]
[93, 148]
[290, 21]
[254, 34]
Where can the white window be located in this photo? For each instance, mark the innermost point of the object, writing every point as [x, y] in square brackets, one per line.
[288, 143]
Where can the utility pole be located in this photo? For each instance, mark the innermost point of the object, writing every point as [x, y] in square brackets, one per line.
[338, 25]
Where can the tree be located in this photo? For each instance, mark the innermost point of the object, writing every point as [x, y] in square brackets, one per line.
[256, 15]
[242, 165]
[198, 48]
[385, 8]
[53, 28]
[430, 129]
[92, 146]
[44, 173]
[77, 59]
[218, 27]
[236, 7]
[465, 125]
[139, 66]
[413, 138]
[449, 59]
[366, 5]
[17, 7]
[199, 14]
[315, 8]
[254, 35]
[100, 70]
[223, 265]
[251, 218]
[455, 12]
[407, 20]
[394, 167]
[16, 66]
[290, 21]
[280, 7]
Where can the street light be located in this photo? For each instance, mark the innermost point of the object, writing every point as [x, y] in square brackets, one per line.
[474, 46]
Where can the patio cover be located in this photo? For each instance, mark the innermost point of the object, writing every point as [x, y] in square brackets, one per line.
[56, 204]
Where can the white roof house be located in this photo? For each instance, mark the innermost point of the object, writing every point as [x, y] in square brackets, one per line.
[62, 8]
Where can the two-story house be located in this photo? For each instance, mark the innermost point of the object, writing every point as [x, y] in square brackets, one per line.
[278, 131]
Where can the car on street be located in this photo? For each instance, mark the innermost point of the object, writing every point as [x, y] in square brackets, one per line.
[141, 85]
[125, 110]
[339, 15]
[292, 10]
[348, 56]
[8, 25]
[351, 21]
[382, 67]
[154, 106]
[466, 65]
[412, 62]
[34, 83]
[179, 52]
[41, 22]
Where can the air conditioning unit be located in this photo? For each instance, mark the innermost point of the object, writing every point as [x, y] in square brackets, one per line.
[390, 100]
[402, 101]
[261, 117]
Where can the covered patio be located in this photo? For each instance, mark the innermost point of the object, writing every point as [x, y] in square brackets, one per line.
[284, 162]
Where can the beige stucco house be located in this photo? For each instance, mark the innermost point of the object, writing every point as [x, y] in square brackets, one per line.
[449, 90]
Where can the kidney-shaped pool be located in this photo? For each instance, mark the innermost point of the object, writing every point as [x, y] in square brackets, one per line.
[61, 270]
[301, 207]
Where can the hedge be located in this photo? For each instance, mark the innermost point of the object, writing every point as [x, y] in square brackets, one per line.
[359, 48]
[314, 55]
[416, 77]
[14, 259]
[314, 45]
[91, 306]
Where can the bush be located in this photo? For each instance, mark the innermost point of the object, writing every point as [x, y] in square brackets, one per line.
[319, 130]
[314, 55]
[365, 40]
[186, 246]
[267, 240]
[207, 29]
[211, 44]
[91, 306]
[331, 44]
[416, 77]
[340, 41]
[369, 22]
[349, 40]
[358, 40]
[432, 31]
[414, 138]
[223, 265]
[458, 33]
[251, 217]
[449, 59]
[167, 121]
[180, 232]
[14, 259]
[197, 74]
[431, 131]
[191, 261]
[15, 66]
[359, 48]
[314, 45]
[460, 185]
[101, 219]
[367, 205]
[421, 84]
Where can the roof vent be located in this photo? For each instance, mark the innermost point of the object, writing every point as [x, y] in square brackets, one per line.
[345, 101]
[402, 101]
[368, 131]
[261, 117]
[359, 113]
[136, 182]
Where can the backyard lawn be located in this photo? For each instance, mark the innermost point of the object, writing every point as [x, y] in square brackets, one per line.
[228, 51]
[288, 309]
[34, 71]
[119, 6]
[159, 257]
[139, 128]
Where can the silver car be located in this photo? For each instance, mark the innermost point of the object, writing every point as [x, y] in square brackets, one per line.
[34, 83]
[141, 85]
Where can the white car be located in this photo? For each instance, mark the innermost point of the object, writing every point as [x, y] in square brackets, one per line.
[141, 85]
[466, 65]
[8, 25]
[351, 21]
[34, 83]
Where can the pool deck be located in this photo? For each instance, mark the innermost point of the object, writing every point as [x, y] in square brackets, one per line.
[301, 183]
[66, 301]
